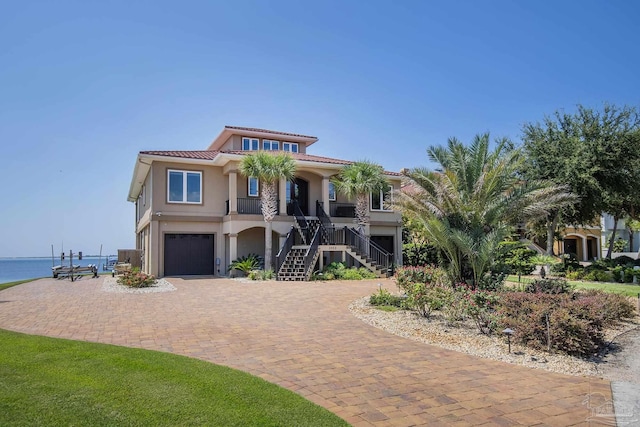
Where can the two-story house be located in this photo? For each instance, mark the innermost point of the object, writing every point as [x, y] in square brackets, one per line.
[195, 212]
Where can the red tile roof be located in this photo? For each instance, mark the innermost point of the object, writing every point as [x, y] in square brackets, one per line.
[201, 154]
[211, 154]
[268, 131]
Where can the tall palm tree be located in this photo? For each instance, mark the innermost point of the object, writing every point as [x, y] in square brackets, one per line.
[268, 168]
[473, 200]
[358, 180]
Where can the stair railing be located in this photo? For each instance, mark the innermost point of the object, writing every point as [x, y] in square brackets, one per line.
[284, 250]
[301, 221]
[364, 246]
[312, 252]
[325, 224]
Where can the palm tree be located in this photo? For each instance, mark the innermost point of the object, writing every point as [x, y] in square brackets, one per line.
[358, 180]
[472, 202]
[268, 169]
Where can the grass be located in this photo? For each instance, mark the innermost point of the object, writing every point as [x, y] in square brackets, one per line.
[626, 289]
[10, 284]
[48, 381]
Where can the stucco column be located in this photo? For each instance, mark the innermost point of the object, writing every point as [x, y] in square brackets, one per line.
[398, 246]
[233, 193]
[233, 247]
[325, 195]
[282, 195]
[585, 253]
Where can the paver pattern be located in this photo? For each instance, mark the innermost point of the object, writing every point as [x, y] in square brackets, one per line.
[303, 337]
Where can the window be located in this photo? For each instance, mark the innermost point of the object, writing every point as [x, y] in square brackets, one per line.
[332, 192]
[270, 145]
[381, 199]
[290, 146]
[249, 144]
[184, 186]
[253, 187]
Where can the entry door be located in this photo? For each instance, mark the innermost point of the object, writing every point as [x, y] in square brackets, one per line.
[298, 190]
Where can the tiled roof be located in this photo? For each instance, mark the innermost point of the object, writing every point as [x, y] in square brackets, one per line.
[268, 131]
[211, 154]
[201, 154]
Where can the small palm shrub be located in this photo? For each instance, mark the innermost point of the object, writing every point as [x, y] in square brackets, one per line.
[247, 263]
[134, 278]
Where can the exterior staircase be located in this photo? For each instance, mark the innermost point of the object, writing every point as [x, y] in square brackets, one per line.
[307, 239]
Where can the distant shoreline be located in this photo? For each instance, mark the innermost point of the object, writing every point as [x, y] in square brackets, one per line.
[66, 256]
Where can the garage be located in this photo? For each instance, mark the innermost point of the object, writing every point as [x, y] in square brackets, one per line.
[188, 254]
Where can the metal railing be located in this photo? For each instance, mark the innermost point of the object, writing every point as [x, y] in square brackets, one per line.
[301, 221]
[342, 210]
[364, 246]
[325, 223]
[249, 206]
[284, 250]
[310, 255]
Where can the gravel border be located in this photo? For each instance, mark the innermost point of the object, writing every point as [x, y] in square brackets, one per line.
[110, 284]
[465, 338]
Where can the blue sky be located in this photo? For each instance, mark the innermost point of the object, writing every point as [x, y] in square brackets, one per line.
[86, 85]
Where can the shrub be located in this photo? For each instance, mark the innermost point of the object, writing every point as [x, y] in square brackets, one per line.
[571, 323]
[247, 263]
[456, 308]
[134, 278]
[549, 286]
[481, 307]
[425, 298]
[385, 298]
[598, 276]
[338, 271]
[407, 276]
[262, 275]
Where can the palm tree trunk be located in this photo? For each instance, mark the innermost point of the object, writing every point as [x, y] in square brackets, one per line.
[268, 242]
[551, 230]
[361, 211]
[613, 237]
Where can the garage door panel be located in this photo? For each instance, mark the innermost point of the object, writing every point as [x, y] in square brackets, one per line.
[188, 254]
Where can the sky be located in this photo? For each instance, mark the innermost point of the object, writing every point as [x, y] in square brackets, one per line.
[85, 86]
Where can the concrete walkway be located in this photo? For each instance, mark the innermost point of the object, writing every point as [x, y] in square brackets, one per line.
[302, 337]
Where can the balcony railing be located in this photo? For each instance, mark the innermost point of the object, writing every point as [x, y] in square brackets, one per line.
[342, 210]
[249, 206]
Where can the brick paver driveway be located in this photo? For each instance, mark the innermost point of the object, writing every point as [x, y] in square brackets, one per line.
[302, 337]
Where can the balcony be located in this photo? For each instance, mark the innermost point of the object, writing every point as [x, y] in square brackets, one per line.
[342, 210]
[249, 206]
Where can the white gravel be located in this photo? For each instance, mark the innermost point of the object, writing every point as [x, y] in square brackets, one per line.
[465, 338]
[110, 284]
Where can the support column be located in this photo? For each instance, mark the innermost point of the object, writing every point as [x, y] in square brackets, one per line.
[585, 252]
[233, 247]
[325, 195]
[233, 193]
[282, 194]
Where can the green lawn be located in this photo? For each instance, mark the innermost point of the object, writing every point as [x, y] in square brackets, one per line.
[47, 381]
[627, 289]
[10, 284]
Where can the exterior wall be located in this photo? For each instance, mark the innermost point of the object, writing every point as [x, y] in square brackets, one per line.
[588, 243]
[215, 191]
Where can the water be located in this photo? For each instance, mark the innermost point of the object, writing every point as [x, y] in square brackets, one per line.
[13, 269]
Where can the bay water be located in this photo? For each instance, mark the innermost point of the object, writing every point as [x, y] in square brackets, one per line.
[13, 269]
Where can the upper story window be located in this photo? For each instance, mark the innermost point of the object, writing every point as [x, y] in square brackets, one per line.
[290, 146]
[380, 200]
[332, 192]
[250, 144]
[184, 186]
[268, 144]
[253, 187]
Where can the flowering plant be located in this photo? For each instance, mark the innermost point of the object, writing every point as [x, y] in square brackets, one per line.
[137, 279]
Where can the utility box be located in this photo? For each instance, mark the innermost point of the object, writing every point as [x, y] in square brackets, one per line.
[130, 256]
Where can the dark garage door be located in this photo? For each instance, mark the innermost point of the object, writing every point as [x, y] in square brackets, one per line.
[186, 254]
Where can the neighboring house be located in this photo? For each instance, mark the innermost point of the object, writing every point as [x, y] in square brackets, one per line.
[622, 232]
[195, 212]
[584, 242]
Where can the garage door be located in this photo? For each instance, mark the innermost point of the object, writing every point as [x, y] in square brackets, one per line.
[186, 254]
